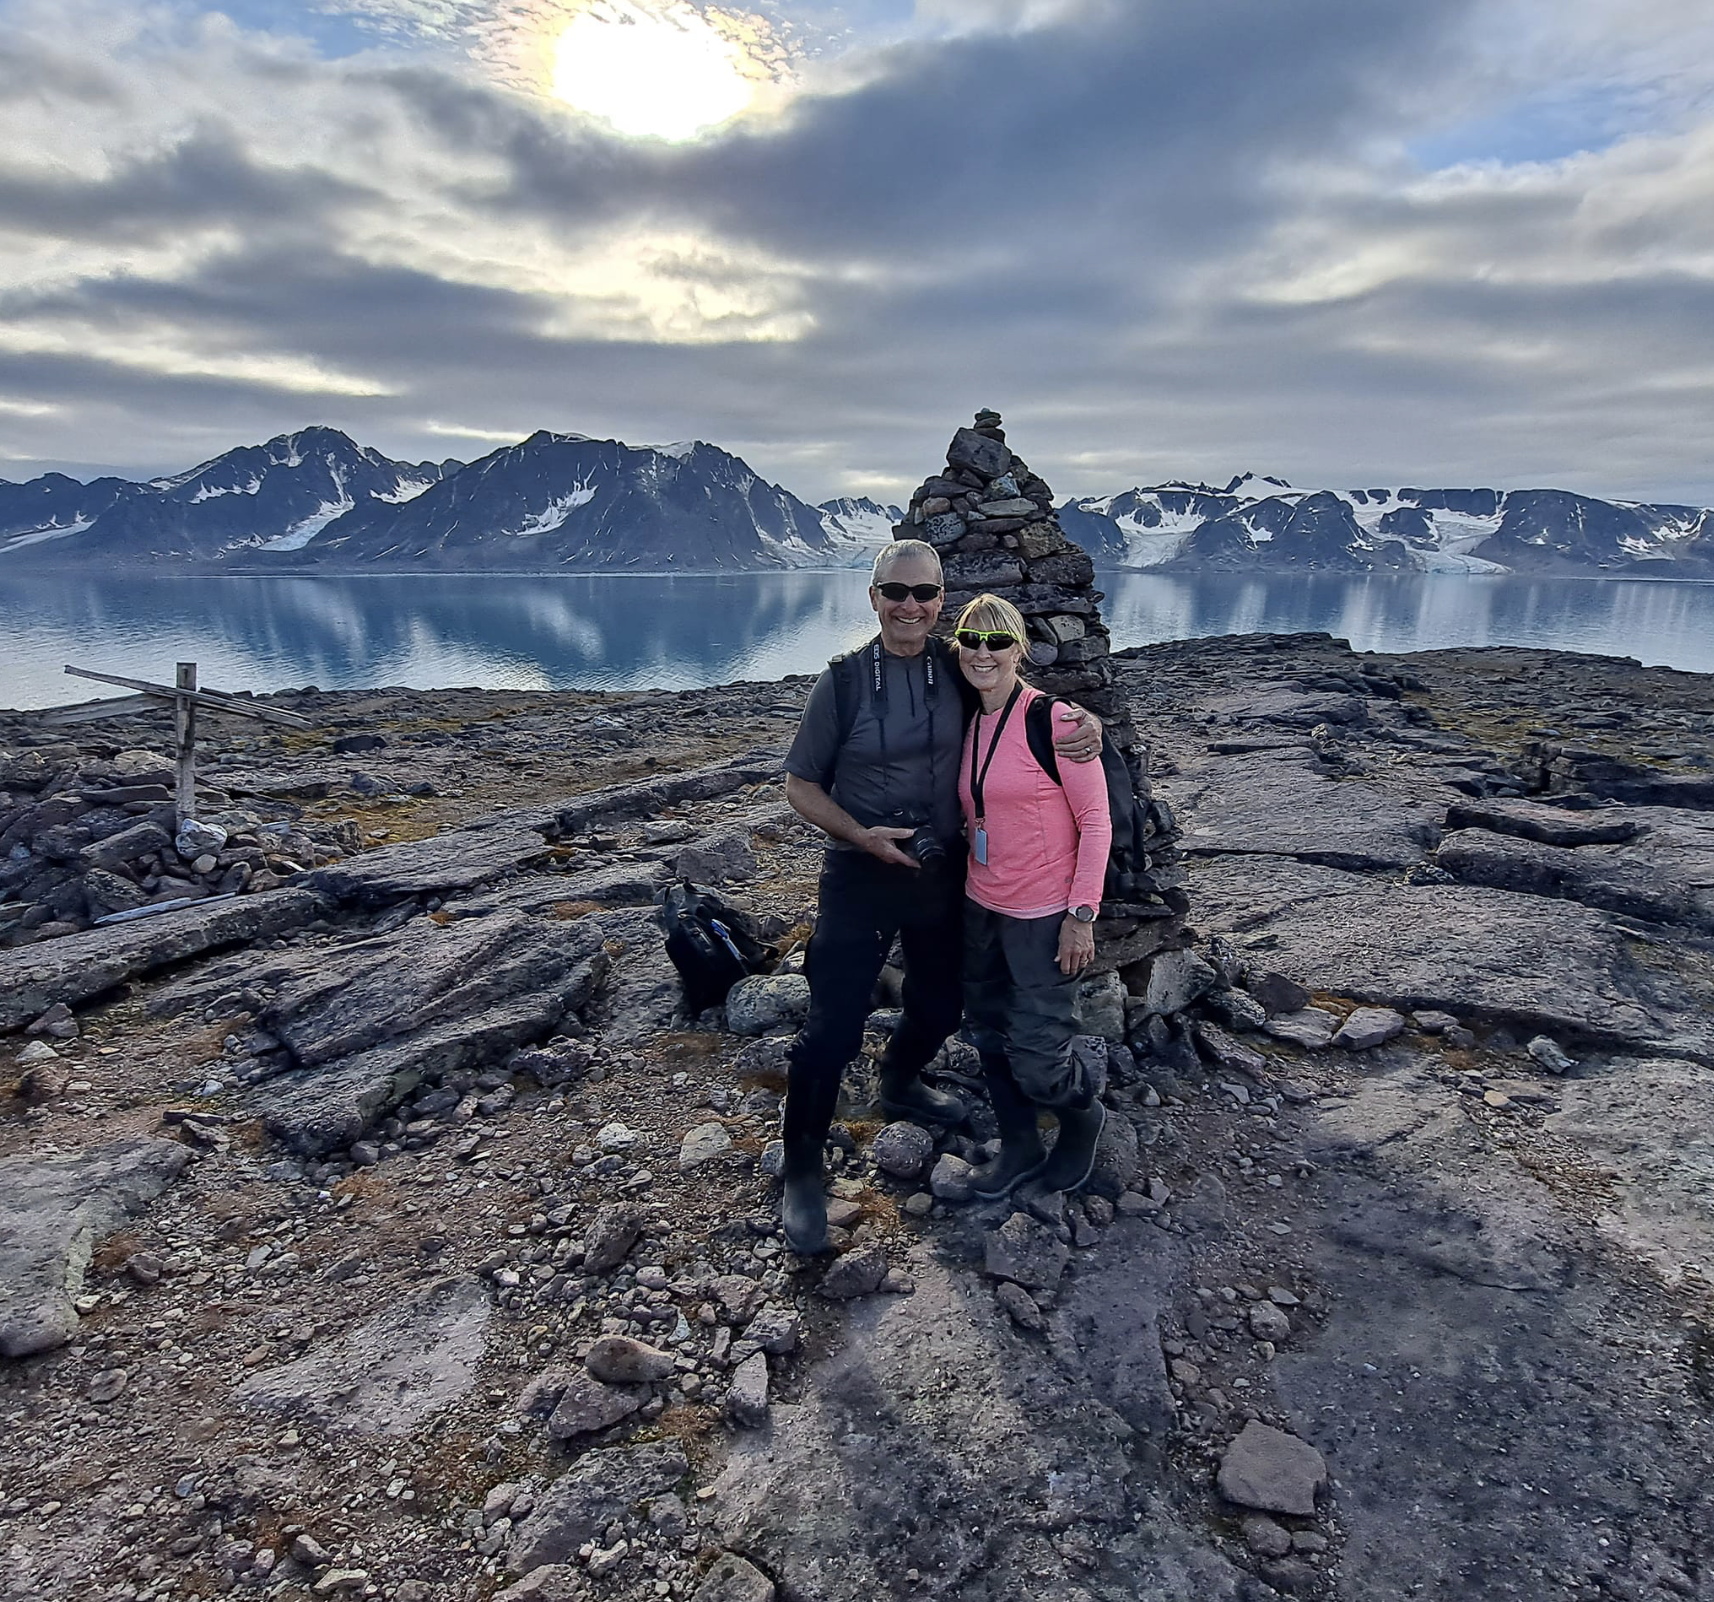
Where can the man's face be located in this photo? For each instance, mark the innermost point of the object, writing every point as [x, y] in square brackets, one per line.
[907, 624]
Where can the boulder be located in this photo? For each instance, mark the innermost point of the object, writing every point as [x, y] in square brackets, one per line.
[1369, 1026]
[982, 570]
[1277, 993]
[1101, 1007]
[587, 1405]
[747, 1400]
[950, 1180]
[611, 1237]
[1176, 979]
[620, 1360]
[903, 1149]
[702, 1145]
[1027, 1252]
[986, 457]
[767, 1001]
[717, 859]
[1271, 1471]
[732, 1579]
[1229, 1053]
[857, 1273]
[1312, 1027]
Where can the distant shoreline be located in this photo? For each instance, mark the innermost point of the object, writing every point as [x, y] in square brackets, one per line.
[1161, 571]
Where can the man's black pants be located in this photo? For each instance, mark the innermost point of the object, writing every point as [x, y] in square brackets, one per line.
[864, 904]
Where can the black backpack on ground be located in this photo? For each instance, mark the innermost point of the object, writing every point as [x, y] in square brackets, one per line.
[712, 945]
[1127, 856]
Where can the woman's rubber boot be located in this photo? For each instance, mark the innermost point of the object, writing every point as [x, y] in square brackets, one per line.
[803, 1201]
[1073, 1159]
[1022, 1153]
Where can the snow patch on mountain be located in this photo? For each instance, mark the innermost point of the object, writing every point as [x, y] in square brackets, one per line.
[40, 536]
[300, 534]
[554, 514]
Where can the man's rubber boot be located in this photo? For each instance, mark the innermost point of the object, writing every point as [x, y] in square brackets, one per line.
[1073, 1159]
[803, 1202]
[906, 1096]
[1022, 1153]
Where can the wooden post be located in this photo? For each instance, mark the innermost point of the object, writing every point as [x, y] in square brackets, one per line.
[184, 733]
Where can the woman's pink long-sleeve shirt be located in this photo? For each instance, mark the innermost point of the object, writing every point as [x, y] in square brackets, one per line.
[1047, 845]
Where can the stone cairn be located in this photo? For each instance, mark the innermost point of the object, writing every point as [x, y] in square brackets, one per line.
[993, 522]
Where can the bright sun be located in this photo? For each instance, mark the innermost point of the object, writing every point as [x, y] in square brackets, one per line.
[649, 69]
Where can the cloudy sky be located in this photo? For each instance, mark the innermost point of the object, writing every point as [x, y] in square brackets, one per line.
[1343, 241]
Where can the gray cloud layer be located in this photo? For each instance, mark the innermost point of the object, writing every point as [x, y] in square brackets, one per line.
[1164, 239]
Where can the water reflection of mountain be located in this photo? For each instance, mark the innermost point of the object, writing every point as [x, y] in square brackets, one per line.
[1658, 622]
[679, 631]
[594, 632]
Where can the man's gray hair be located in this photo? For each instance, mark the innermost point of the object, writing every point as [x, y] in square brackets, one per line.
[891, 555]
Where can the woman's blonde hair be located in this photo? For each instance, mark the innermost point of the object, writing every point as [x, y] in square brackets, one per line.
[991, 612]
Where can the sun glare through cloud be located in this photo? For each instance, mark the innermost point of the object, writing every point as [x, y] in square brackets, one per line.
[651, 70]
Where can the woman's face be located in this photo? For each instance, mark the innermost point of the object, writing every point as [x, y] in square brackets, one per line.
[988, 668]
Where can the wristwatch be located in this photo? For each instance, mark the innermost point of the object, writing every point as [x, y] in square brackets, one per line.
[1083, 914]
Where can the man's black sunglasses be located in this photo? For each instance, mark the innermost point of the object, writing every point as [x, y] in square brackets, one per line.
[994, 639]
[917, 592]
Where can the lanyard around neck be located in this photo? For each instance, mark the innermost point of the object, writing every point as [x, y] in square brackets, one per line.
[980, 778]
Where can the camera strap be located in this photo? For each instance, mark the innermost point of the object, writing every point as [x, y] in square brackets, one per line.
[979, 777]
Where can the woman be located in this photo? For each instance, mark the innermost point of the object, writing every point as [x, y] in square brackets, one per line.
[1038, 855]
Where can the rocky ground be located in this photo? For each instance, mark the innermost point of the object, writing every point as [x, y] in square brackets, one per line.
[389, 1232]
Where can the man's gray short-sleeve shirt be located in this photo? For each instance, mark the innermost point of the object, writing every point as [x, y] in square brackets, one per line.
[899, 765]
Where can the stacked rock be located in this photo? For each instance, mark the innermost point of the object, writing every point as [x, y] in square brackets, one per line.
[993, 522]
[84, 836]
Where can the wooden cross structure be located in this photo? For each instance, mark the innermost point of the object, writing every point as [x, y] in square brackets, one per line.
[185, 699]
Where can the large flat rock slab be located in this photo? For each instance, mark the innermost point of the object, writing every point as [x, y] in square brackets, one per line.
[80, 967]
[1478, 953]
[1637, 882]
[1285, 804]
[1662, 1206]
[53, 1212]
[388, 1375]
[443, 865]
[648, 796]
[341, 1000]
[364, 1025]
[1474, 1387]
[939, 1439]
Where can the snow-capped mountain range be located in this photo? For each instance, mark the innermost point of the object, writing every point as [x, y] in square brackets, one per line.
[552, 502]
[1267, 525]
[565, 502]
[276, 497]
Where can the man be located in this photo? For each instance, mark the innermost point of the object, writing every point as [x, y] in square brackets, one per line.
[875, 766]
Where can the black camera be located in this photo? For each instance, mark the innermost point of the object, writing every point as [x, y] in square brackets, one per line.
[926, 846]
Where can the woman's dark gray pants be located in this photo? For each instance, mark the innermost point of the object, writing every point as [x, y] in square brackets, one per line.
[1019, 1008]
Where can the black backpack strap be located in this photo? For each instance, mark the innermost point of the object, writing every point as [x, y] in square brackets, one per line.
[1038, 731]
[848, 671]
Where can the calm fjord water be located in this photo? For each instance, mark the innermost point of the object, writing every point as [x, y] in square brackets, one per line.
[678, 632]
